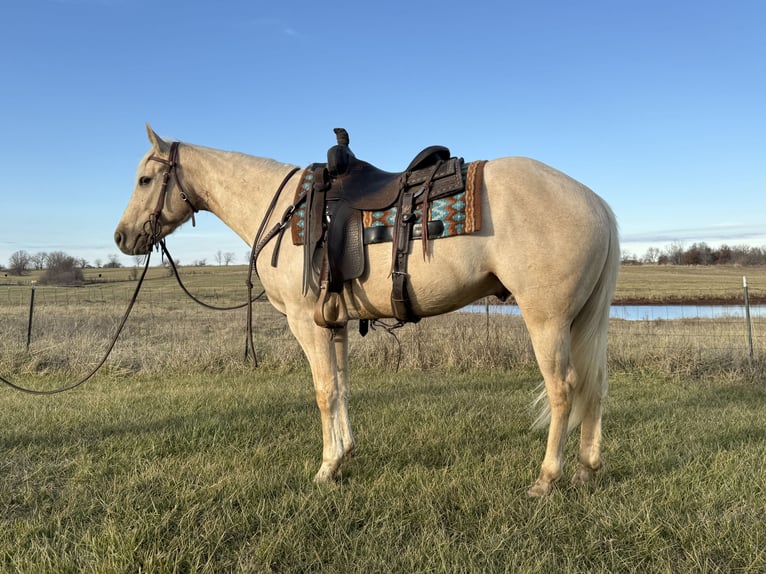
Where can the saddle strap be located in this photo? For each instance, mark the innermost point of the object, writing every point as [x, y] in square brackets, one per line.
[385, 234]
[400, 298]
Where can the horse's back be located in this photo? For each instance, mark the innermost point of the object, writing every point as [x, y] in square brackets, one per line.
[540, 211]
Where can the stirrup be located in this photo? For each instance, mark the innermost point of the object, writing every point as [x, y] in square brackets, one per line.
[330, 309]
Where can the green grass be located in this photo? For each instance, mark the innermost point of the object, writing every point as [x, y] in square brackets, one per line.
[213, 474]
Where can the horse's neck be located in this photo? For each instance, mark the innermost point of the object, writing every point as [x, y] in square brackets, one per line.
[235, 187]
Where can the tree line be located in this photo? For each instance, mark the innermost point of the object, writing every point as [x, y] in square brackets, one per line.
[61, 268]
[22, 261]
[699, 254]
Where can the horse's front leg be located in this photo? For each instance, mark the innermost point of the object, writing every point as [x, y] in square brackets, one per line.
[327, 353]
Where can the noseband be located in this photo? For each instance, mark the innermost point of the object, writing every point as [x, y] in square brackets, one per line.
[171, 163]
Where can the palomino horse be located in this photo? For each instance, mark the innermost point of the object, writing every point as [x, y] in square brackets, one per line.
[544, 237]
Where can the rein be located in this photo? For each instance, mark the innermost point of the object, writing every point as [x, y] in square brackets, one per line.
[155, 231]
[108, 352]
[258, 244]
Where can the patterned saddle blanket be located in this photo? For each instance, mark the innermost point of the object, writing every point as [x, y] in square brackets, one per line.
[347, 203]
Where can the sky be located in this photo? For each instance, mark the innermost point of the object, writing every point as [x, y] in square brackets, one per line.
[656, 105]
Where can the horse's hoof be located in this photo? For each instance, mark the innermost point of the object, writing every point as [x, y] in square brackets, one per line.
[584, 475]
[540, 488]
[326, 475]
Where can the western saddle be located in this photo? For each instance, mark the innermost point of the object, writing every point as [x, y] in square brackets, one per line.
[345, 187]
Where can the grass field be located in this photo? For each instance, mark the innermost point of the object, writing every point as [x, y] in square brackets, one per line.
[180, 457]
[643, 283]
[213, 474]
[674, 284]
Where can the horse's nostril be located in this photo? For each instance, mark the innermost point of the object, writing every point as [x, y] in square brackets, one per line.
[118, 239]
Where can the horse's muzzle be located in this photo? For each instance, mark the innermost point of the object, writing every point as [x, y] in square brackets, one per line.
[135, 245]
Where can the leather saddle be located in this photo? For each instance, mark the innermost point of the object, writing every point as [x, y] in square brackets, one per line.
[342, 189]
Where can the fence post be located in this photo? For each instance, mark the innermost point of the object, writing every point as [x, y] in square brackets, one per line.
[31, 312]
[747, 319]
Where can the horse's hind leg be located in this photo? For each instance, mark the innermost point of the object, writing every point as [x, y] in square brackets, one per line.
[590, 434]
[327, 352]
[552, 349]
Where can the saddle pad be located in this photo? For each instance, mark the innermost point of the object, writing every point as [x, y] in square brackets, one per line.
[460, 213]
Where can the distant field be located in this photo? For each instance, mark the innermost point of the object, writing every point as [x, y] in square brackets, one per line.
[676, 284]
[636, 283]
[169, 332]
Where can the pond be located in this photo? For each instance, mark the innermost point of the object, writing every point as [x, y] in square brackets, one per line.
[648, 312]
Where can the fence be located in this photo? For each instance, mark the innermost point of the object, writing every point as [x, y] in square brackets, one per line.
[71, 325]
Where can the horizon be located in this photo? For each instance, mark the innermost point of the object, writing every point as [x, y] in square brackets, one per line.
[128, 261]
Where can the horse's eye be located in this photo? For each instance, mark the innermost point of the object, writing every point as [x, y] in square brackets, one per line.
[144, 180]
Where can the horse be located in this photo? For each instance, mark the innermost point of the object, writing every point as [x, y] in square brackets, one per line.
[545, 238]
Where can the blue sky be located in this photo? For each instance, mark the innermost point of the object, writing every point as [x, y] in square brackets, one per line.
[657, 105]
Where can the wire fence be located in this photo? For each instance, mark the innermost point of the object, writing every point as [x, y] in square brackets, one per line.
[667, 337]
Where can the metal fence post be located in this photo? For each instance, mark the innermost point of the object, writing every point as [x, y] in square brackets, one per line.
[747, 319]
[31, 312]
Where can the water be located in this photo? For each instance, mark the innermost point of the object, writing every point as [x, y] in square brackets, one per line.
[648, 312]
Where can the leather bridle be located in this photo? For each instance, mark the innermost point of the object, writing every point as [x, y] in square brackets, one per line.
[153, 226]
[154, 231]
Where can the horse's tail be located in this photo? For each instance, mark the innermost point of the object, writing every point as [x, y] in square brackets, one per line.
[589, 338]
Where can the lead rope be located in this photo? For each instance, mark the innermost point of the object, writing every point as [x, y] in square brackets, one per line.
[112, 343]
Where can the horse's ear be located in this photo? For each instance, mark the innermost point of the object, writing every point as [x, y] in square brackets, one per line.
[158, 143]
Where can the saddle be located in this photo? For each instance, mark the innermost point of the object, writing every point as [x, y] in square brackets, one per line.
[345, 187]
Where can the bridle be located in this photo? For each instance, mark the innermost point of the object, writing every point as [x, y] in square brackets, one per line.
[153, 226]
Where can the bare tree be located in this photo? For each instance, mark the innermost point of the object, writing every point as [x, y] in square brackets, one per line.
[228, 257]
[19, 262]
[676, 252]
[40, 260]
[652, 255]
[627, 256]
[113, 263]
[62, 270]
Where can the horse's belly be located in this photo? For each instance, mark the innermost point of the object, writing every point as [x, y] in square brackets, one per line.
[436, 285]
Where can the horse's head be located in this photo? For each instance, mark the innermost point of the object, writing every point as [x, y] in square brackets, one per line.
[159, 204]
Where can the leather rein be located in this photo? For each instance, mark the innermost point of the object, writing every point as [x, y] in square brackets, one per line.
[153, 227]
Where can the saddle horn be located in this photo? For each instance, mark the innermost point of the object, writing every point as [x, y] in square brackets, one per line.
[339, 156]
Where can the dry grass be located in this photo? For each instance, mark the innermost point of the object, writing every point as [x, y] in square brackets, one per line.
[672, 283]
[169, 334]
